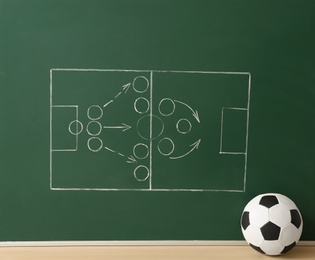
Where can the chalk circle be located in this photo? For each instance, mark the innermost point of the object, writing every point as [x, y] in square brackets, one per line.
[141, 173]
[183, 126]
[166, 107]
[94, 128]
[94, 112]
[141, 105]
[95, 144]
[166, 146]
[141, 151]
[140, 84]
[149, 127]
[75, 127]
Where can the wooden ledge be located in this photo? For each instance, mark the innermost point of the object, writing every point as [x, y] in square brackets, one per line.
[146, 253]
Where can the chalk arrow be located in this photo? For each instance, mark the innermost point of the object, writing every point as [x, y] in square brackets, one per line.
[195, 115]
[124, 127]
[131, 159]
[194, 112]
[108, 103]
[126, 87]
[194, 146]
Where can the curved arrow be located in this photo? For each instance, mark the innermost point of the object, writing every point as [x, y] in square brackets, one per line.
[124, 127]
[194, 146]
[194, 113]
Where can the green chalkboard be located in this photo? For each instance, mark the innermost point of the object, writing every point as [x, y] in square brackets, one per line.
[136, 120]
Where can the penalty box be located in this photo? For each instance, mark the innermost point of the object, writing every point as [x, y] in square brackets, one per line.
[148, 130]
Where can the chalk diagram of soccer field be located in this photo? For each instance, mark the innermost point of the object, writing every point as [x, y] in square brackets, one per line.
[148, 130]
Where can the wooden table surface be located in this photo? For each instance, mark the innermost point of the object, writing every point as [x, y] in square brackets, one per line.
[146, 253]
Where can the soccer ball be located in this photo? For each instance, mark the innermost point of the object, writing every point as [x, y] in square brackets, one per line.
[271, 224]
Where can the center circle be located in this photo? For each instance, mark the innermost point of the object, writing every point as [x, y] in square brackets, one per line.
[150, 127]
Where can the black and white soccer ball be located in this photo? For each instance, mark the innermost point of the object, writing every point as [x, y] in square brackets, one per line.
[271, 224]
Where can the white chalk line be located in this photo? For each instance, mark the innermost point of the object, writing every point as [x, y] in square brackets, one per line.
[151, 131]
[64, 150]
[151, 94]
[247, 130]
[50, 128]
[118, 95]
[123, 126]
[76, 107]
[232, 153]
[105, 147]
[147, 189]
[108, 103]
[153, 71]
[222, 127]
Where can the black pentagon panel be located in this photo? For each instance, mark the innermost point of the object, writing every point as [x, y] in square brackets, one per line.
[270, 231]
[288, 248]
[295, 218]
[269, 201]
[245, 220]
[257, 249]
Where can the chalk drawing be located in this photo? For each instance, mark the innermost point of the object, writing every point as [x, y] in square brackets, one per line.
[166, 111]
[138, 105]
[193, 146]
[166, 146]
[78, 127]
[141, 173]
[95, 144]
[140, 84]
[130, 159]
[194, 112]
[155, 140]
[124, 127]
[141, 151]
[183, 126]
[94, 128]
[124, 90]
[149, 120]
[94, 112]
[222, 151]
[76, 113]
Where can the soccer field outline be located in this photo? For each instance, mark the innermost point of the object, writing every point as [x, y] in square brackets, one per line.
[125, 127]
